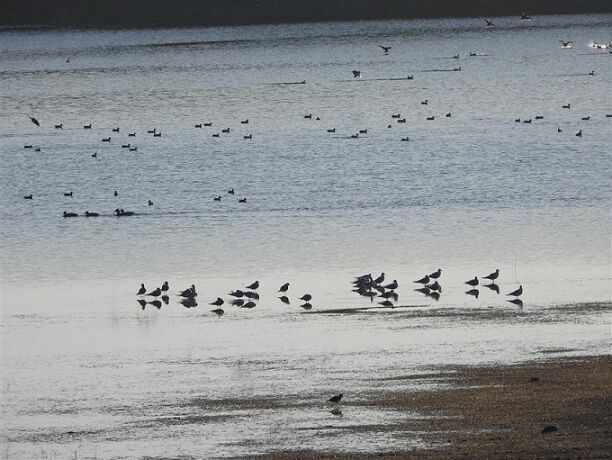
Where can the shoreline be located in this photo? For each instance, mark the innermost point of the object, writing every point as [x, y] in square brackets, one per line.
[499, 412]
[116, 14]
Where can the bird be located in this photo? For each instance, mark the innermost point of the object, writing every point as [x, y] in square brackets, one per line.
[142, 289]
[425, 102]
[284, 299]
[237, 293]
[198, 125]
[87, 126]
[488, 22]
[356, 73]
[242, 200]
[335, 399]
[166, 300]
[474, 292]
[165, 287]
[94, 155]
[28, 197]
[435, 286]
[251, 295]
[284, 288]
[131, 134]
[67, 193]
[60, 126]
[189, 292]
[249, 304]
[380, 279]
[91, 214]
[245, 122]
[150, 203]
[250, 136]
[566, 106]
[142, 302]
[115, 193]
[424, 280]
[35, 121]
[385, 48]
[231, 191]
[518, 292]
[386, 303]
[473, 282]
[579, 133]
[218, 311]
[493, 276]
[332, 130]
[393, 285]
[238, 302]
[70, 214]
[524, 17]
[115, 130]
[435, 275]
[306, 298]
[217, 198]
[218, 302]
[253, 285]
[566, 45]
[155, 293]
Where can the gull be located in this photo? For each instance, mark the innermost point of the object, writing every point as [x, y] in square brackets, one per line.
[28, 197]
[242, 200]
[385, 48]
[566, 45]
[284, 288]
[60, 126]
[435, 275]
[392, 285]
[424, 280]
[189, 292]
[231, 191]
[142, 289]
[493, 276]
[473, 282]
[566, 106]
[356, 73]
[165, 287]
[518, 292]
[155, 293]
[254, 285]
[67, 193]
[87, 126]
[306, 298]
[335, 399]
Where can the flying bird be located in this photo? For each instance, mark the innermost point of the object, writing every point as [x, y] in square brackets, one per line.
[566, 45]
[385, 48]
[488, 22]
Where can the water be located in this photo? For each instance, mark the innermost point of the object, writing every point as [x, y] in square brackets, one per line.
[87, 372]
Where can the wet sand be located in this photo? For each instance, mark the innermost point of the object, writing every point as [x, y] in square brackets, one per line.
[500, 412]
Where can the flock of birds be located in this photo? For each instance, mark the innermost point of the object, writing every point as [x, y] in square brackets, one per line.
[364, 285]
[246, 297]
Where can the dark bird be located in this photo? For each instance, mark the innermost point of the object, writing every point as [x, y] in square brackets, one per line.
[473, 282]
[539, 117]
[238, 302]
[448, 115]
[87, 126]
[70, 214]
[35, 121]
[392, 285]
[566, 45]
[218, 311]
[425, 102]
[94, 155]
[431, 118]
[586, 118]
[306, 306]
[488, 22]
[249, 304]
[245, 122]
[231, 191]
[579, 133]
[165, 287]
[217, 198]
[226, 130]
[60, 126]
[106, 139]
[492, 276]
[67, 193]
[435, 286]
[28, 197]
[142, 289]
[218, 302]
[559, 130]
[424, 280]
[380, 279]
[518, 292]
[566, 106]
[189, 292]
[115, 193]
[237, 293]
[356, 73]
[165, 299]
[306, 298]
[150, 203]
[524, 17]
[284, 299]
[284, 288]
[405, 139]
[91, 214]
[253, 286]
[132, 135]
[155, 293]
[336, 399]
[250, 136]
[492, 286]
[142, 302]
[474, 292]
[208, 124]
[251, 295]
[198, 125]
[386, 303]
[435, 275]
[115, 130]
[308, 116]
[333, 130]
[385, 48]
[242, 200]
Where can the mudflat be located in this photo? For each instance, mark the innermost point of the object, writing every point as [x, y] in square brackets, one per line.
[557, 408]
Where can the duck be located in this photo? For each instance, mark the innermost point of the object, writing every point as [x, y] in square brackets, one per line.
[28, 197]
[60, 126]
[242, 200]
[91, 214]
[67, 193]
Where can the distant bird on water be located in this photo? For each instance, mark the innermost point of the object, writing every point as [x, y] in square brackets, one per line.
[386, 49]
[524, 17]
[518, 292]
[392, 285]
[356, 73]
[424, 280]
[165, 287]
[336, 399]
[28, 197]
[35, 121]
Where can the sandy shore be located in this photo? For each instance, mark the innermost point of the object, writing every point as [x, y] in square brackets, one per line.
[501, 412]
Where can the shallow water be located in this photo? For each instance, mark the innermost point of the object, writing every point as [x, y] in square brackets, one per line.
[87, 372]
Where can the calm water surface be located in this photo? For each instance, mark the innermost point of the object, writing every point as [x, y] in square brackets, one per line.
[86, 372]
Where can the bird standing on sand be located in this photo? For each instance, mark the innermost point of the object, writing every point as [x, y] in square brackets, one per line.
[424, 280]
[189, 292]
[493, 276]
[336, 399]
[518, 292]
[142, 289]
[284, 288]
[380, 279]
[435, 275]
